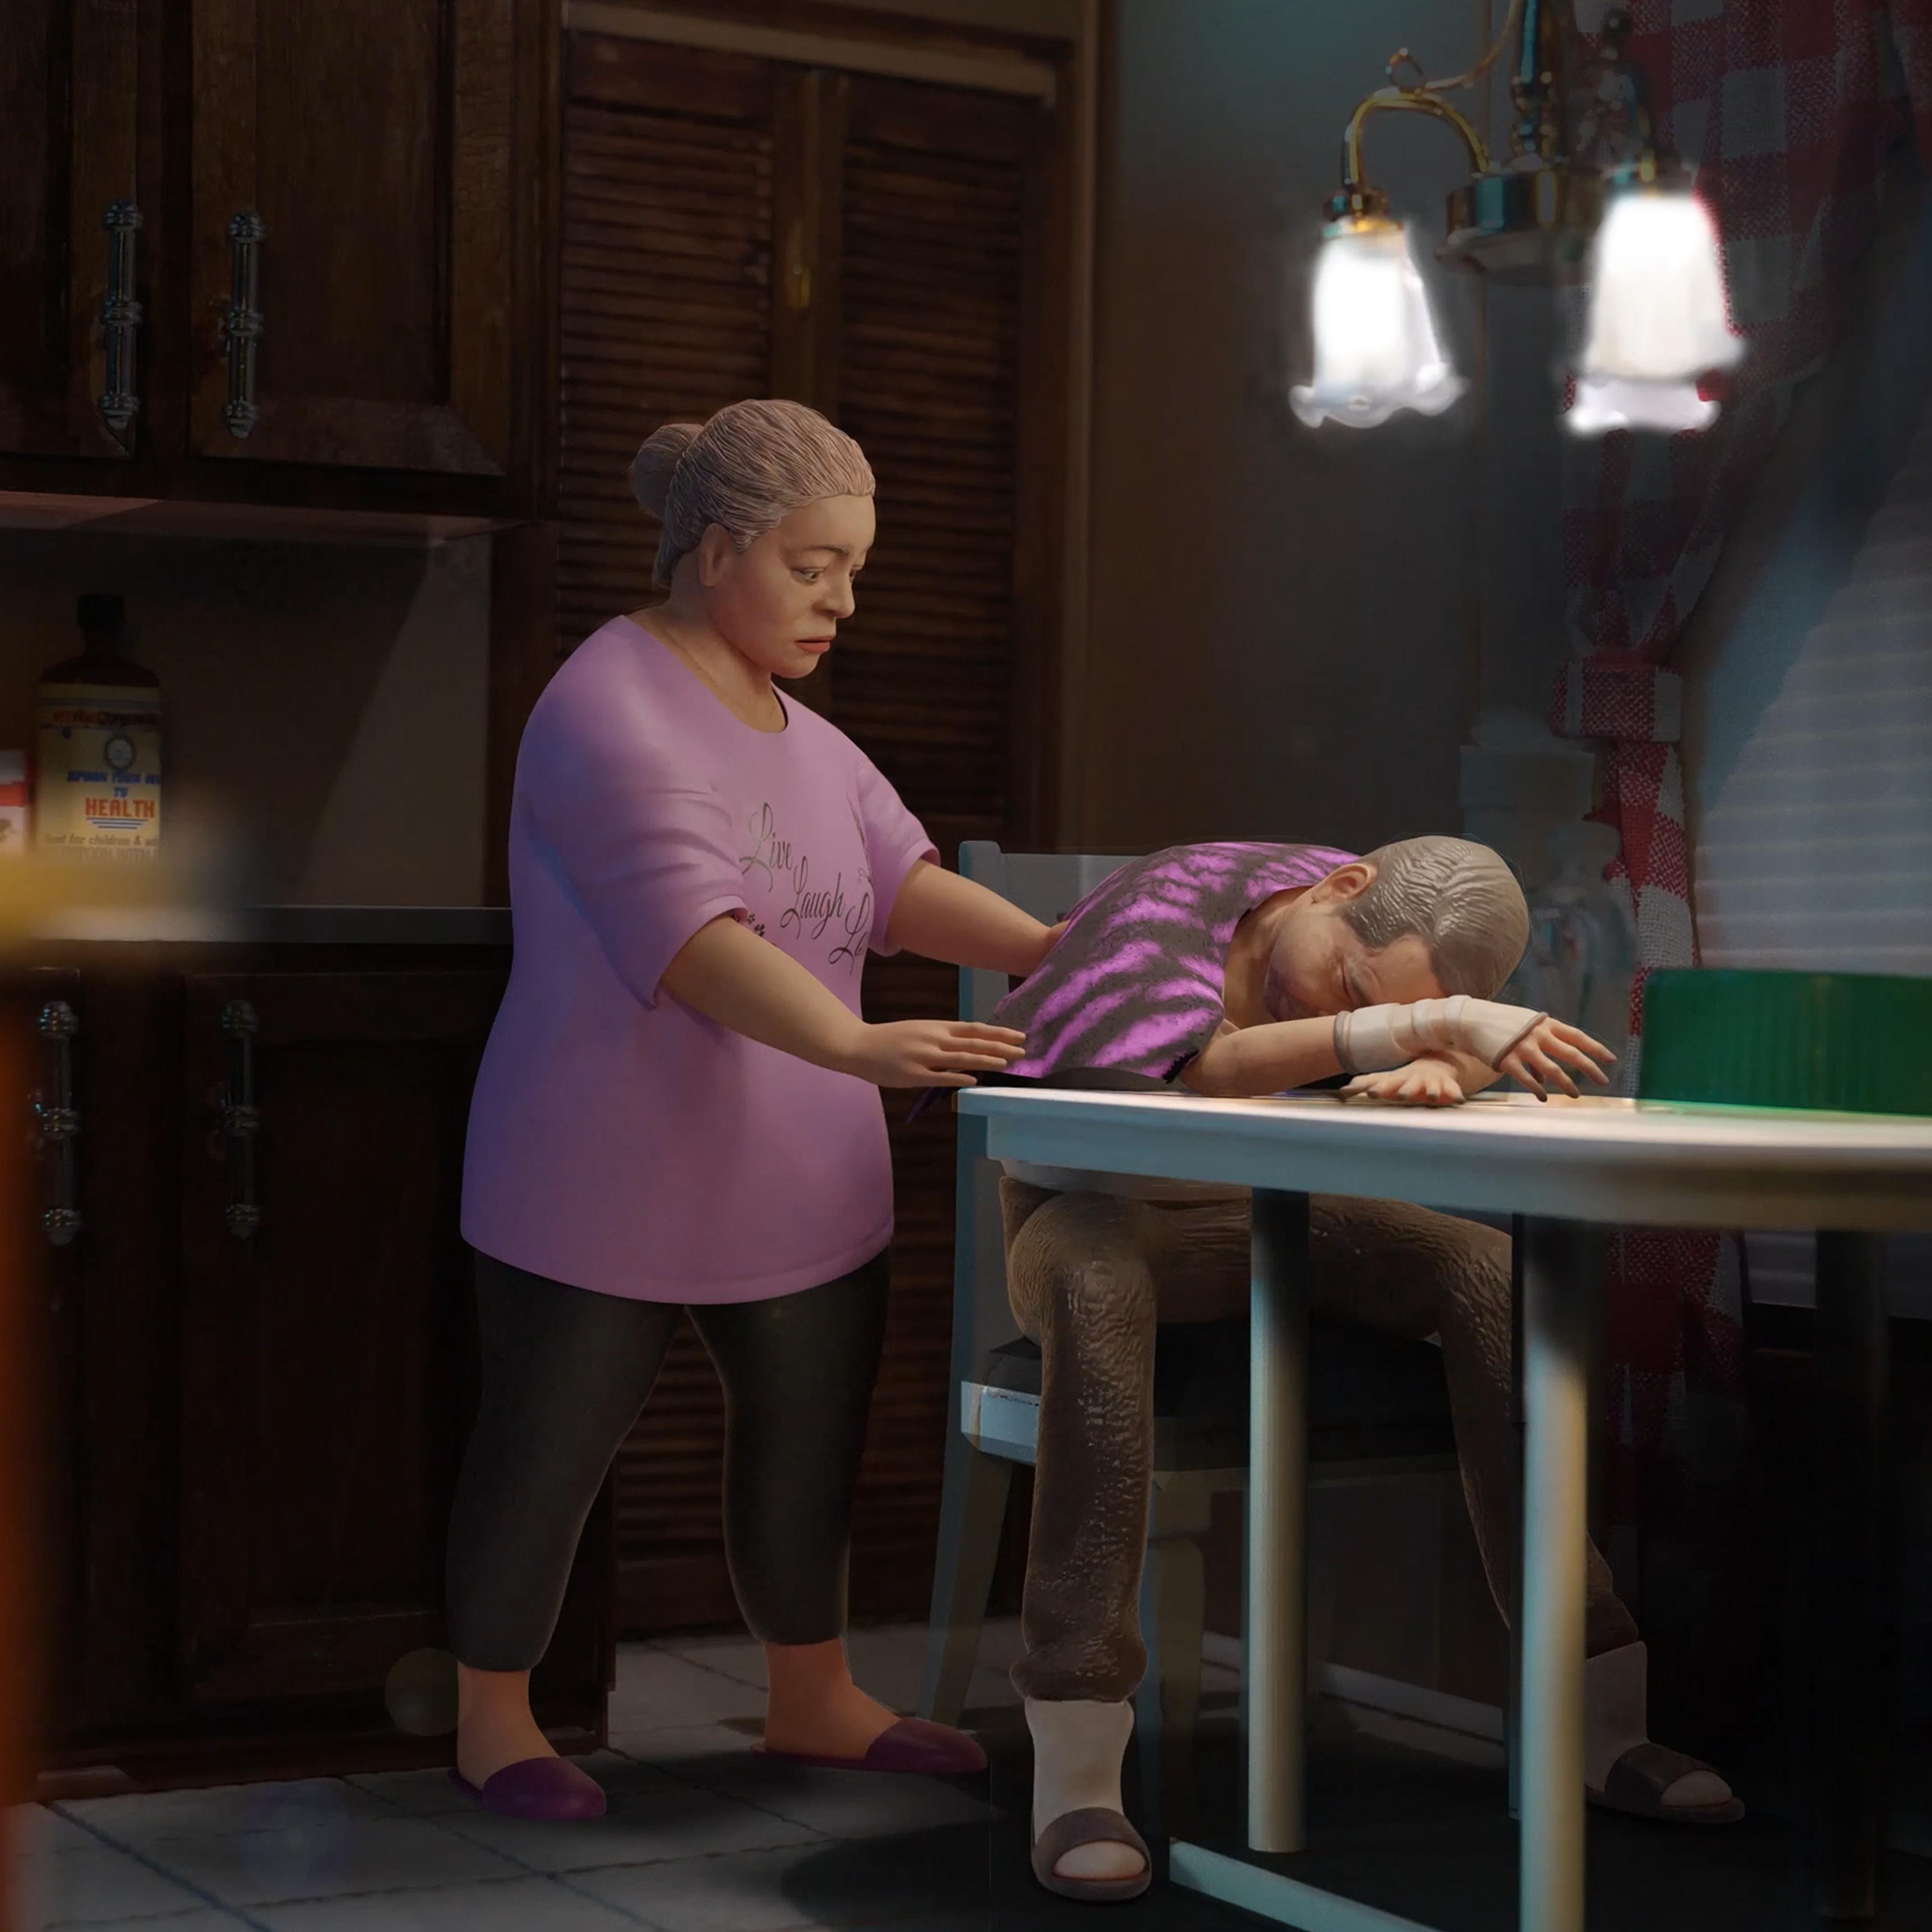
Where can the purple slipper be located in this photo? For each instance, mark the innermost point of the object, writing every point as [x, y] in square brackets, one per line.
[537, 1787]
[912, 1744]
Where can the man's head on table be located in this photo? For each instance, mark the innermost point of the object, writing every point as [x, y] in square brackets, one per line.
[1242, 969]
[1421, 920]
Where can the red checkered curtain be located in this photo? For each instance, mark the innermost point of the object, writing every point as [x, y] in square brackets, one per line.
[1788, 109]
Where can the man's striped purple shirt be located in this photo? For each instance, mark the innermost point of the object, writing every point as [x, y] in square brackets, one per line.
[1135, 980]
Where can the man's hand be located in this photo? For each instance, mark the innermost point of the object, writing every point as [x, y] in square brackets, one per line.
[930, 1053]
[1544, 1056]
[1431, 1080]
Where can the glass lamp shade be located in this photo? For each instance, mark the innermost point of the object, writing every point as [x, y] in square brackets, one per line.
[1658, 320]
[1375, 345]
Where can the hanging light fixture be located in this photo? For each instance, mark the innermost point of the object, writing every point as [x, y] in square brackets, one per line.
[1376, 349]
[1658, 320]
[1580, 141]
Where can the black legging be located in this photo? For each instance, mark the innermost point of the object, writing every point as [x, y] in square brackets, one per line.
[566, 1372]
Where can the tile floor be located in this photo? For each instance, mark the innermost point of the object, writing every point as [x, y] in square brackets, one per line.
[700, 1837]
[703, 1837]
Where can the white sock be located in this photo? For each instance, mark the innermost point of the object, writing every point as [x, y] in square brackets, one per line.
[1078, 1747]
[1615, 1717]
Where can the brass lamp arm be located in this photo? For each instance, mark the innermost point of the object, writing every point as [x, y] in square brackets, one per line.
[1409, 100]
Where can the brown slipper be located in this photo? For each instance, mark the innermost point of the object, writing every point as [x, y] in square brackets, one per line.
[1639, 1780]
[1094, 1825]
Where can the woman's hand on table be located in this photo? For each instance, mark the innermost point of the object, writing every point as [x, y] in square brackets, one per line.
[1550, 1052]
[931, 1053]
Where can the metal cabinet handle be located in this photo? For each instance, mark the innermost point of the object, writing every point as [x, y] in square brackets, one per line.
[241, 1119]
[242, 323]
[120, 402]
[59, 1126]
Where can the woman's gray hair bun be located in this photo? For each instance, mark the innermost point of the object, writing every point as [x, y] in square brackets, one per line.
[654, 465]
[745, 469]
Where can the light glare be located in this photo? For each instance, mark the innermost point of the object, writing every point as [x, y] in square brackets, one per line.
[1375, 346]
[1658, 318]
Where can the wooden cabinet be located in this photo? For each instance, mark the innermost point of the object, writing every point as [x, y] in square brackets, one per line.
[351, 245]
[339, 269]
[262, 1367]
[70, 200]
[323, 1272]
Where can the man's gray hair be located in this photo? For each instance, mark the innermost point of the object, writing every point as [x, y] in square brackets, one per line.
[1458, 898]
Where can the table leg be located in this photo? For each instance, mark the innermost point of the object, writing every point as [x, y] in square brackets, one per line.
[1275, 1676]
[1559, 1268]
[1848, 1650]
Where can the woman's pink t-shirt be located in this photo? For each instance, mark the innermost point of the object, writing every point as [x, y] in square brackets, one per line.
[618, 1140]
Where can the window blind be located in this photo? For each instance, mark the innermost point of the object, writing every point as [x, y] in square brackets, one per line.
[1814, 849]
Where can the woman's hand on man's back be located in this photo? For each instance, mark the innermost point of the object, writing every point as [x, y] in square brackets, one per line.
[932, 1053]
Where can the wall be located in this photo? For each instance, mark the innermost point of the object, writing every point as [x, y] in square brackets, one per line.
[1283, 622]
[329, 702]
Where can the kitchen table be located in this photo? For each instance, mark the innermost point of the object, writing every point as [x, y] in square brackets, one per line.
[1566, 1167]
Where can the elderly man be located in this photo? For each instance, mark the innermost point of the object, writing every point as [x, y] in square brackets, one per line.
[1242, 969]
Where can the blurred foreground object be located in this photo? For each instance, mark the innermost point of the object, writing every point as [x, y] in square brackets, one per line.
[191, 889]
[1838, 1042]
[420, 1693]
[17, 1438]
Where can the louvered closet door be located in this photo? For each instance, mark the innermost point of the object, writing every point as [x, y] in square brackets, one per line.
[899, 311]
[931, 206]
[666, 304]
[666, 317]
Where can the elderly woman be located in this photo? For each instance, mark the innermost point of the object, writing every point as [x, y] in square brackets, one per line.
[677, 1109]
[1245, 969]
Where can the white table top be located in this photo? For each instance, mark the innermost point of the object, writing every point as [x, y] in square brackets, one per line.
[1592, 1159]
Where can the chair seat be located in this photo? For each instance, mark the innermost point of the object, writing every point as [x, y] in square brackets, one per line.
[1371, 1397]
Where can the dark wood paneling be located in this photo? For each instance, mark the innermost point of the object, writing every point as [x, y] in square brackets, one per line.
[665, 291]
[933, 196]
[934, 200]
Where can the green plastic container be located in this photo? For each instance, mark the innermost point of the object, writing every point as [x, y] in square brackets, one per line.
[1835, 1043]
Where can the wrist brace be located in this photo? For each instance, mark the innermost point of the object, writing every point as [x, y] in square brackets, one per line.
[1373, 1039]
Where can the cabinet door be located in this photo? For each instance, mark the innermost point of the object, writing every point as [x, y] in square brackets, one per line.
[369, 143]
[40, 1013]
[327, 1364]
[69, 82]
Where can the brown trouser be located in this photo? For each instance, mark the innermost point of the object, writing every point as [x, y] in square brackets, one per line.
[1090, 1276]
